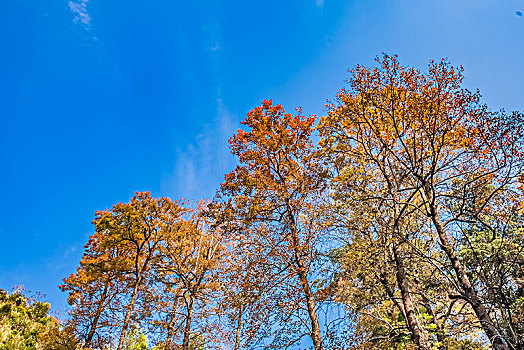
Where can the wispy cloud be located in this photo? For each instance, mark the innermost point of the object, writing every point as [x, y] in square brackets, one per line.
[319, 3]
[79, 10]
[201, 166]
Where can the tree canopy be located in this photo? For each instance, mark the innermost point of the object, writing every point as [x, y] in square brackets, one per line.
[395, 221]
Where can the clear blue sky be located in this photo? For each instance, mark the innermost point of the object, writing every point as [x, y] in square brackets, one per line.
[99, 99]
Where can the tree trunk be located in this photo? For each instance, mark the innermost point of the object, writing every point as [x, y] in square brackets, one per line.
[390, 293]
[239, 327]
[98, 313]
[127, 319]
[187, 328]
[418, 335]
[468, 292]
[171, 326]
[310, 303]
[306, 289]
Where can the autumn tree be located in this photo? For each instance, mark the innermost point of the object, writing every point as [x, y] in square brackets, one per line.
[426, 145]
[94, 292]
[274, 192]
[138, 228]
[110, 288]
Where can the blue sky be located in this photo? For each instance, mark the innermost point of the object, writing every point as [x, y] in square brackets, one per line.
[99, 99]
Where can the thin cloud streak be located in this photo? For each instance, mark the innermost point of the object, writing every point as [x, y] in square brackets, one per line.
[201, 167]
[79, 10]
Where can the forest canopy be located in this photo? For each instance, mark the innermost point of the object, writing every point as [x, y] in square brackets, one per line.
[395, 221]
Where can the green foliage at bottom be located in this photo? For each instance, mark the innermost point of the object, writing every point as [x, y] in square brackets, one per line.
[22, 322]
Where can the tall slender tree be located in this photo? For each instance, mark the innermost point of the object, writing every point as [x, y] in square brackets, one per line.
[275, 191]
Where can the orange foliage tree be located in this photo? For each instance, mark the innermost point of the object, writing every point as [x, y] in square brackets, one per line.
[112, 280]
[275, 192]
